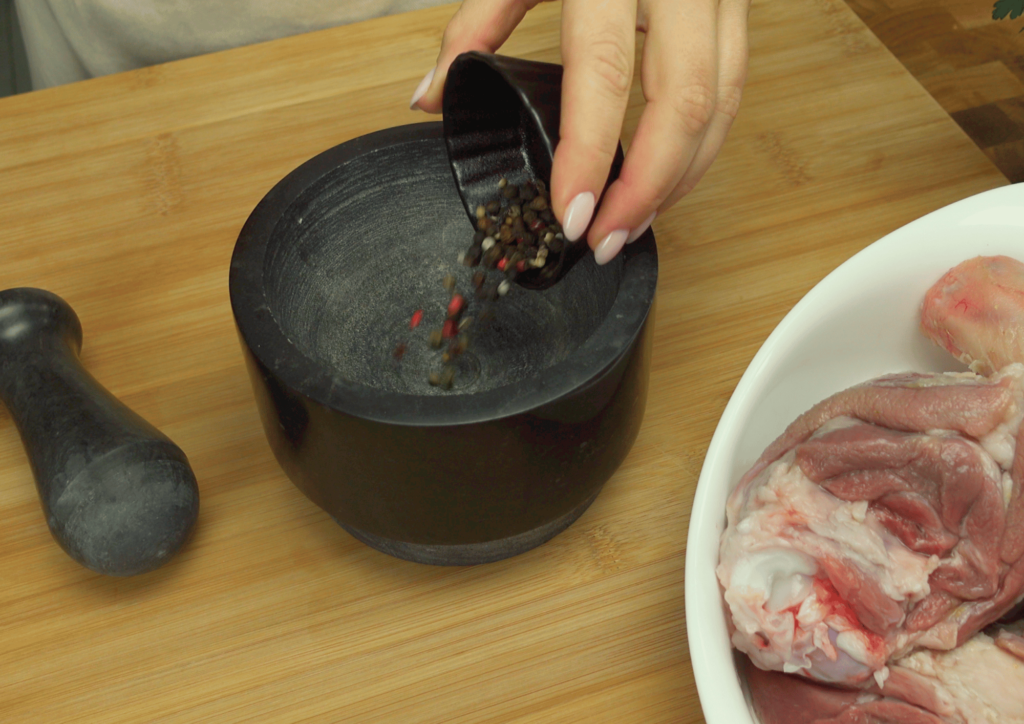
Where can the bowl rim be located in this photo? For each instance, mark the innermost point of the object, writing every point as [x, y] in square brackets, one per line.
[267, 342]
[724, 697]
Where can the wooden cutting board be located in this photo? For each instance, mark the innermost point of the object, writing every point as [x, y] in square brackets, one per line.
[125, 195]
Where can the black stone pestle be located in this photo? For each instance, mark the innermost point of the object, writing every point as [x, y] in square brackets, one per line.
[120, 498]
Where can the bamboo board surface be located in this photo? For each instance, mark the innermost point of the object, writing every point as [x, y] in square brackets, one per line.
[971, 63]
[125, 194]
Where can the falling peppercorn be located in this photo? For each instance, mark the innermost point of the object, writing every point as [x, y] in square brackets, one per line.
[514, 232]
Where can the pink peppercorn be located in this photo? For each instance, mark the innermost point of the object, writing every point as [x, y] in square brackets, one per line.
[455, 305]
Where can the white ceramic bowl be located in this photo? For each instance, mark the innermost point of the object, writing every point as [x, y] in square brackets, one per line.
[859, 322]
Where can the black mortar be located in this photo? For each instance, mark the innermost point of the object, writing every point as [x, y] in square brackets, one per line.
[325, 276]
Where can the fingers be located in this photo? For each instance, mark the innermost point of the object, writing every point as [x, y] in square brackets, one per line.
[598, 45]
[680, 79]
[482, 25]
[693, 72]
[732, 74]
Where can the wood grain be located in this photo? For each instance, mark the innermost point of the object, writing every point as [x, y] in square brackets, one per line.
[125, 195]
[971, 64]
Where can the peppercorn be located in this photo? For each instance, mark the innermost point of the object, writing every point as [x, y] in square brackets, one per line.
[539, 203]
[490, 259]
[456, 305]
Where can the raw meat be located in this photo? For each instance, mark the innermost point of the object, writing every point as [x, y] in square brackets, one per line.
[979, 682]
[976, 312]
[886, 518]
[782, 699]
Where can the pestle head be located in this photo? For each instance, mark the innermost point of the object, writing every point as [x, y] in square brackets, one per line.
[127, 512]
[119, 497]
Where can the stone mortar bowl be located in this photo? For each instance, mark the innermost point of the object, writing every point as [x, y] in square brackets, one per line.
[325, 277]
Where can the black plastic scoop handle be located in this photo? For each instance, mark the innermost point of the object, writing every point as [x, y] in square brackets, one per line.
[119, 497]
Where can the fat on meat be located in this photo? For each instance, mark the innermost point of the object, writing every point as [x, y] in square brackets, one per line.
[887, 518]
[976, 312]
[979, 682]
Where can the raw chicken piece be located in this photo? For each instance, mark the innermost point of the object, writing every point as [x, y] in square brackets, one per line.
[889, 516]
[976, 313]
[977, 683]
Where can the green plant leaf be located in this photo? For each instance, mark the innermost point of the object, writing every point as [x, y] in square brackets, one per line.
[1003, 8]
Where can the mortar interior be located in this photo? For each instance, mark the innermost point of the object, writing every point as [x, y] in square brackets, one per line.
[368, 244]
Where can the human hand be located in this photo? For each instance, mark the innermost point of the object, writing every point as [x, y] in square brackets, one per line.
[692, 72]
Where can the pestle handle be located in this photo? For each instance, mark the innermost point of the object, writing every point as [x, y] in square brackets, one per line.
[119, 497]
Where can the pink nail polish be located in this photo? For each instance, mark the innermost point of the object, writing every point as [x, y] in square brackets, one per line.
[421, 89]
[610, 246]
[639, 231]
[577, 215]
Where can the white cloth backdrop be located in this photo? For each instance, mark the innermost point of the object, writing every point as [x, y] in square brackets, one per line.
[70, 40]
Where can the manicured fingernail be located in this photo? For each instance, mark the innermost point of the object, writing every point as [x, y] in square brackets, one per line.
[421, 89]
[577, 215]
[610, 245]
[639, 231]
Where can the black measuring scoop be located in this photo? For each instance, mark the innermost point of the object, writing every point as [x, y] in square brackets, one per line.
[501, 120]
[120, 498]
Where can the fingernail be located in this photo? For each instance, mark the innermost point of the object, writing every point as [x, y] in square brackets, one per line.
[610, 245]
[421, 89]
[577, 215]
[639, 231]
